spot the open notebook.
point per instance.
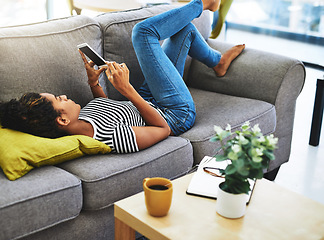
(205, 185)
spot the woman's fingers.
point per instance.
(102, 69)
(83, 57)
(117, 66)
(90, 63)
(123, 66)
(116, 69)
(109, 71)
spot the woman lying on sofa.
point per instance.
(163, 106)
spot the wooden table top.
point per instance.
(273, 213)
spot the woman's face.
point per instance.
(65, 106)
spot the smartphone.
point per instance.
(92, 54)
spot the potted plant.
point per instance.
(248, 153)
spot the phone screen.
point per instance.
(90, 53)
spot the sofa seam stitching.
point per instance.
(47, 226)
(47, 193)
(51, 33)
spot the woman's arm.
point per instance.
(157, 128)
(93, 77)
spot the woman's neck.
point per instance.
(81, 127)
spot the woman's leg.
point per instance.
(187, 41)
(163, 78)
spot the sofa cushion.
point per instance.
(21, 152)
(45, 197)
(109, 178)
(119, 48)
(225, 110)
(43, 57)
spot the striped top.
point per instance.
(112, 122)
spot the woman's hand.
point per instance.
(93, 77)
(156, 128)
(93, 74)
(118, 75)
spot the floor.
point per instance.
(304, 171)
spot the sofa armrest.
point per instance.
(258, 75)
(254, 74)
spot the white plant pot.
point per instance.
(231, 205)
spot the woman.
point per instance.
(163, 106)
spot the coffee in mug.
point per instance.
(158, 195)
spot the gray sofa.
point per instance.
(74, 200)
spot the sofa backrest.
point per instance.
(43, 57)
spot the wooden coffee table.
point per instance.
(273, 213)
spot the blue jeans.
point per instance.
(163, 66)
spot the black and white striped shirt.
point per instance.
(112, 122)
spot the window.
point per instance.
(301, 20)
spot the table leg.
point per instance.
(123, 231)
(317, 114)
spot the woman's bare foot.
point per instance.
(227, 59)
(212, 5)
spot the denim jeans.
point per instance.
(163, 66)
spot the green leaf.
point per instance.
(243, 188)
(239, 163)
(256, 164)
(233, 156)
(236, 185)
(244, 171)
(265, 163)
(220, 158)
(222, 172)
(225, 134)
(245, 126)
(256, 174)
(260, 174)
(230, 169)
(214, 139)
(269, 154)
(257, 159)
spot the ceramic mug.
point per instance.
(158, 195)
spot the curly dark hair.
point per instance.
(31, 114)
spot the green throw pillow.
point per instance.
(21, 152)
